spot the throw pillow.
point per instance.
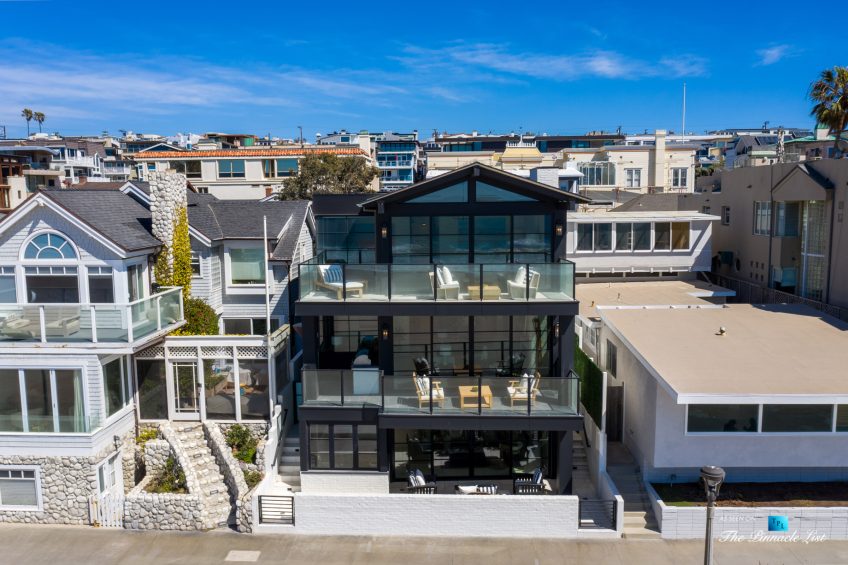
(446, 275)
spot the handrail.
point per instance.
(167, 290)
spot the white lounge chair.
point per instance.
(331, 278)
(518, 286)
(525, 389)
(446, 288)
(422, 387)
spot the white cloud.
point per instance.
(773, 54)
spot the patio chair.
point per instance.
(331, 278)
(518, 285)
(525, 389)
(515, 367)
(418, 484)
(422, 388)
(530, 484)
(444, 285)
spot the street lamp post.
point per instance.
(712, 478)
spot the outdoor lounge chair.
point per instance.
(525, 389)
(443, 284)
(418, 484)
(518, 289)
(530, 484)
(422, 388)
(331, 278)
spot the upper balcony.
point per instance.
(444, 395)
(475, 284)
(133, 323)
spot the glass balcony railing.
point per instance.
(444, 395)
(380, 282)
(91, 323)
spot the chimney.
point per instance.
(545, 175)
(167, 198)
(659, 178)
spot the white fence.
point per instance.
(106, 510)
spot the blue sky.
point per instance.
(267, 67)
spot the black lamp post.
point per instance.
(712, 477)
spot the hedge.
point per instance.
(591, 384)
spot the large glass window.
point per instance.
(70, 401)
(662, 236)
(135, 281)
(531, 238)
(722, 418)
(489, 193)
(412, 340)
(491, 342)
(584, 237)
(286, 167)
(113, 386)
(348, 334)
(11, 415)
(231, 168)
(411, 239)
(680, 235)
(623, 237)
(39, 400)
(797, 417)
(47, 285)
(219, 385)
(319, 446)
(842, 418)
(8, 292)
(642, 236)
(191, 169)
(492, 239)
(597, 173)
(456, 193)
(762, 218)
(787, 219)
(347, 239)
(152, 393)
(450, 239)
(612, 358)
(247, 265)
(342, 446)
(603, 237)
(450, 343)
(253, 381)
(530, 344)
(100, 288)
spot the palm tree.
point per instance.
(39, 117)
(830, 94)
(28, 116)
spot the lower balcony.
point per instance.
(529, 394)
(28, 324)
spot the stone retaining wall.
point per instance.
(150, 511)
(156, 454)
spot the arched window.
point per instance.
(49, 246)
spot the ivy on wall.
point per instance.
(591, 384)
(173, 264)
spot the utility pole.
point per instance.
(301, 135)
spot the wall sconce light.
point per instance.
(384, 231)
(556, 330)
(558, 229)
(384, 332)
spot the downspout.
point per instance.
(830, 243)
(770, 279)
(272, 388)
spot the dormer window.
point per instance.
(50, 246)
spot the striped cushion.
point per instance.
(333, 274)
(537, 476)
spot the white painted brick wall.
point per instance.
(330, 482)
(436, 515)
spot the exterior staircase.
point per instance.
(639, 521)
(581, 482)
(289, 466)
(204, 467)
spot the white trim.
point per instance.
(48, 231)
(38, 497)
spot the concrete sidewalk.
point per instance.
(62, 545)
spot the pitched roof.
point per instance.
(259, 152)
(338, 204)
(112, 213)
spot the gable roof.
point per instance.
(808, 169)
(115, 215)
(483, 172)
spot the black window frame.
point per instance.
(332, 450)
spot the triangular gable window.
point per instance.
(452, 194)
(489, 193)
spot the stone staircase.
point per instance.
(204, 468)
(289, 467)
(639, 521)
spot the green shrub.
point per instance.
(591, 384)
(242, 442)
(252, 478)
(173, 480)
(201, 318)
(146, 435)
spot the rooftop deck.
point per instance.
(382, 282)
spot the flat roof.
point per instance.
(627, 215)
(786, 353)
(594, 295)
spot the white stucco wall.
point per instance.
(329, 482)
(436, 515)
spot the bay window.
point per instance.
(46, 285)
(247, 265)
(231, 169)
(680, 236)
(53, 399)
(116, 385)
(100, 289)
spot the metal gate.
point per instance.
(278, 510)
(597, 514)
(106, 510)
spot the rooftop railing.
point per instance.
(528, 395)
(91, 323)
(378, 282)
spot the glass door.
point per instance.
(186, 391)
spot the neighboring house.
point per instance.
(237, 174)
(781, 226)
(757, 390)
(397, 155)
(84, 336)
(468, 271)
(35, 171)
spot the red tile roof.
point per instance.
(270, 152)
